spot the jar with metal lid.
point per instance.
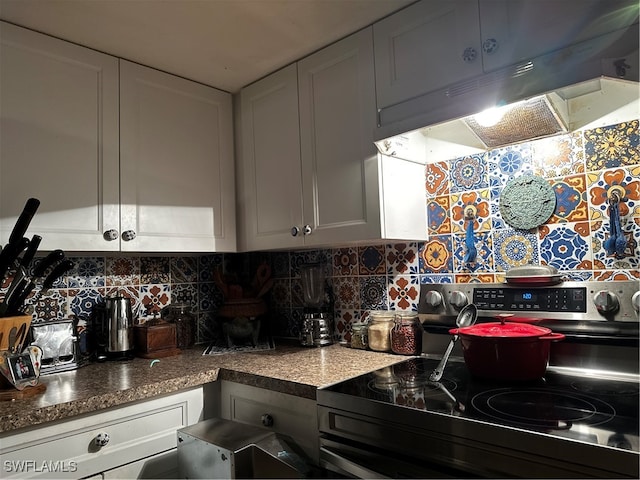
(180, 314)
(359, 336)
(406, 335)
(379, 331)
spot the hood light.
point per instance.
(527, 120)
(491, 116)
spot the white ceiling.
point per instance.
(223, 43)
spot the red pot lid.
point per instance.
(498, 329)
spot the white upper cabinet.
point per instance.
(434, 43)
(426, 46)
(122, 158)
(339, 159)
(308, 169)
(176, 164)
(270, 182)
(58, 139)
(517, 30)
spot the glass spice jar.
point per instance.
(406, 335)
(359, 336)
(379, 331)
(180, 314)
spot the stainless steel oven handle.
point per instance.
(349, 466)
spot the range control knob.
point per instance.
(458, 299)
(433, 298)
(635, 301)
(606, 301)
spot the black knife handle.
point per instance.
(18, 297)
(9, 254)
(27, 258)
(47, 261)
(56, 273)
(20, 228)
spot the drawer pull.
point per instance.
(101, 439)
(267, 420)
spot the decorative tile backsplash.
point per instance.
(583, 168)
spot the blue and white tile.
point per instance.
(484, 256)
(86, 272)
(428, 279)
(507, 163)
(565, 248)
(373, 293)
(83, 302)
(372, 260)
(513, 248)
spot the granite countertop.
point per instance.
(288, 369)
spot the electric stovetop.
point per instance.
(592, 410)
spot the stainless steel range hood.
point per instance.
(587, 85)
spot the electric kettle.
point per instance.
(115, 329)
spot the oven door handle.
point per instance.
(348, 466)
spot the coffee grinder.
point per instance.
(317, 327)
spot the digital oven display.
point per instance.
(527, 296)
(540, 299)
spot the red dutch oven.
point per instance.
(506, 351)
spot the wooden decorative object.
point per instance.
(244, 307)
(156, 339)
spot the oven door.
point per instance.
(364, 461)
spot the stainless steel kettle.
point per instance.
(117, 327)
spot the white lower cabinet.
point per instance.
(137, 440)
(287, 414)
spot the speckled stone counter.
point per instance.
(288, 369)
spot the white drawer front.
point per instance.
(67, 449)
(292, 416)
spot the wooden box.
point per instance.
(156, 339)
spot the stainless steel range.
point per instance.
(580, 420)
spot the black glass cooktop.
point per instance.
(598, 411)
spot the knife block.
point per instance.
(156, 339)
(7, 323)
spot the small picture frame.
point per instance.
(21, 368)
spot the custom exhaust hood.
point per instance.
(588, 85)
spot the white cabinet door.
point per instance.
(58, 139)
(516, 30)
(424, 47)
(308, 162)
(176, 163)
(270, 184)
(339, 159)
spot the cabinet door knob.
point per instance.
(469, 54)
(489, 46)
(101, 439)
(128, 235)
(110, 235)
(306, 230)
(267, 420)
(295, 231)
